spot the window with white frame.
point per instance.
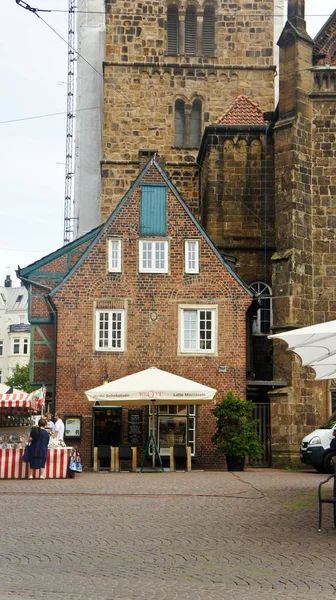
(264, 318)
(191, 256)
(16, 346)
(114, 256)
(198, 329)
(25, 345)
(0, 376)
(110, 330)
(1, 347)
(153, 256)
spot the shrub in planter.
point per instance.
(236, 435)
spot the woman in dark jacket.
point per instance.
(38, 449)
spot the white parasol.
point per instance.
(151, 387)
(316, 346)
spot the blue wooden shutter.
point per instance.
(153, 210)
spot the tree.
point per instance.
(20, 378)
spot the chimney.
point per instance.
(296, 14)
(8, 281)
(144, 157)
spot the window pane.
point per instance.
(114, 255)
(116, 330)
(147, 255)
(1, 347)
(190, 329)
(16, 346)
(25, 346)
(103, 330)
(159, 255)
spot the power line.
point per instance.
(64, 112)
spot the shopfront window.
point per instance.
(175, 424)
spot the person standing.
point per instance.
(38, 449)
(50, 424)
(59, 427)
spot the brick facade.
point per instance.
(79, 366)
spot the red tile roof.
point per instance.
(242, 111)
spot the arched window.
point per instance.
(179, 123)
(263, 322)
(208, 40)
(172, 30)
(195, 123)
(190, 30)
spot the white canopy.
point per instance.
(151, 385)
(316, 346)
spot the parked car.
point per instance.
(315, 447)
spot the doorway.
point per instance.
(106, 426)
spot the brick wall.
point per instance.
(149, 343)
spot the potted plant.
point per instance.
(236, 434)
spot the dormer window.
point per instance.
(19, 298)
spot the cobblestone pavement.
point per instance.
(167, 536)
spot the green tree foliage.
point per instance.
(20, 378)
(236, 434)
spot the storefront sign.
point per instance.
(135, 427)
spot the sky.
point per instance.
(33, 74)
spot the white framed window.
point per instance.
(110, 330)
(0, 375)
(1, 347)
(191, 256)
(153, 256)
(16, 346)
(264, 318)
(25, 345)
(198, 329)
(114, 256)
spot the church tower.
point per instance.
(173, 67)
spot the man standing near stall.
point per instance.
(59, 427)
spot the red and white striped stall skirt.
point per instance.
(12, 467)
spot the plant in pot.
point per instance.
(236, 434)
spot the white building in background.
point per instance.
(14, 329)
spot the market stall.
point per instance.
(18, 414)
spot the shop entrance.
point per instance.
(106, 426)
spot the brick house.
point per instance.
(146, 288)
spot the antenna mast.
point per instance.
(69, 158)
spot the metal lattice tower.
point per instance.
(69, 158)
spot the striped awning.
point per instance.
(22, 400)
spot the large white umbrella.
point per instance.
(316, 346)
(151, 387)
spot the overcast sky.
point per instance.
(33, 72)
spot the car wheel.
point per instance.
(328, 464)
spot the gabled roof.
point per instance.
(103, 228)
(242, 111)
(35, 266)
(325, 40)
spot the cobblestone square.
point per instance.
(167, 536)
